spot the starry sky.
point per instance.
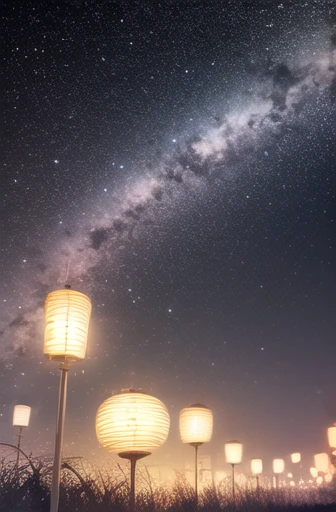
(175, 161)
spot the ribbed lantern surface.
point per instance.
(322, 462)
(256, 466)
(278, 466)
(67, 314)
(132, 422)
(296, 457)
(21, 415)
(196, 424)
(332, 437)
(233, 452)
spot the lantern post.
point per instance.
(67, 314)
(133, 425)
(256, 468)
(196, 424)
(233, 454)
(21, 418)
(278, 468)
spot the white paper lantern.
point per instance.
(256, 466)
(233, 452)
(313, 471)
(278, 466)
(322, 462)
(132, 422)
(296, 457)
(332, 437)
(21, 415)
(196, 424)
(67, 314)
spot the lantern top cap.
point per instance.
(131, 390)
(200, 406)
(67, 286)
(233, 441)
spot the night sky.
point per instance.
(175, 161)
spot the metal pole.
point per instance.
(55, 483)
(132, 500)
(18, 447)
(233, 482)
(276, 481)
(196, 475)
(257, 478)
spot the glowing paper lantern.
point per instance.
(332, 437)
(322, 462)
(67, 314)
(278, 466)
(319, 480)
(21, 415)
(233, 452)
(132, 422)
(313, 472)
(256, 466)
(196, 424)
(296, 457)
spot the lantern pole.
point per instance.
(276, 480)
(55, 484)
(257, 478)
(233, 482)
(18, 447)
(196, 446)
(133, 457)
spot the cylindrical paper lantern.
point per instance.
(332, 437)
(67, 315)
(321, 462)
(296, 457)
(278, 466)
(256, 466)
(132, 422)
(233, 452)
(196, 424)
(21, 415)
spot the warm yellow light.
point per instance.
(289, 475)
(67, 315)
(328, 478)
(256, 466)
(296, 457)
(319, 480)
(321, 462)
(278, 466)
(132, 422)
(313, 472)
(233, 452)
(21, 415)
(332, 437)
(196, 424)
(292, 483)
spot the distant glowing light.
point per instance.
(56, 161)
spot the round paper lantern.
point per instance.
(332, 437)
(256, 466)
(21, 415)
(278, 466)
(321, 462)
(233, 452)
(67, 314)
(296, 457)
(196, 424)
(132, 422)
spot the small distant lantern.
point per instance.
(292, 483)
(256, 469)
(296, 457)
(233, 454)
(196, 424)
(289, 475)
(332, 437)
(133, 425)
(278, 468)
(67, 314)
(313, 471)
(319, 480)
(21, 416)
(321, 462)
